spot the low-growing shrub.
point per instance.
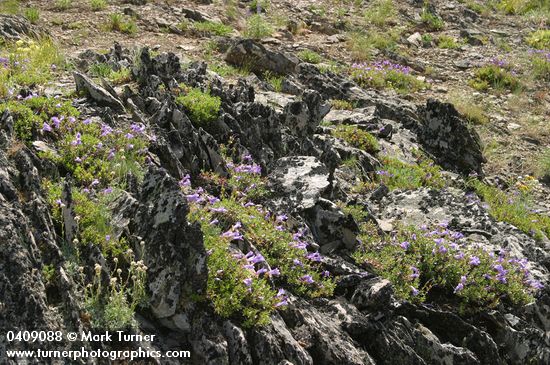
(357, 138)
(396, 174)
(419, 260)
(341, 104)
(120, 23)
(257, 27)
(497, 76)
(212, 28)
(447, 42)
(380, 12)
(431, 20)
(540, 63)
(543, 165)
(310, 56)
(62, 5)
(539, 39)
(28, 63)
(512, 208)
(113, 307)
(244, 286)
(32, 14)
(98, 5)
(473, 112)
(275, 81)
(202, 108)
(30, 113)
(386, 74)
(361, 45)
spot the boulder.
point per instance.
(257, 58)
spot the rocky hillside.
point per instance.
(273, 182)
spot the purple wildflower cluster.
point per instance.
(296, 263)
(448, 245)
(540, 53)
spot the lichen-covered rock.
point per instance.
(298, 182)
(449, 138)
(257, 58)
(174, 251)
(13, 28)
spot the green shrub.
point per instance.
(417, 261)
(495, 77)
(380, 12)
(257, 27)
(512, 208)
(361, 44)
(212, 28)
(447, 42)
(385, 74)
(473, 112)
(357, 138)
(119, 23)
(275, 81)
(540, 63)
(100, 70)
(242, 286)
(310, 56)
(62, 5)
(524, 6)
(98, 5)
(540, 39)
(202, 108)
(30, 114)
(113, 307)
(430, 20)
(32, 14)
(396, 174)
(341, 104)
(28, 63)
(9, 7)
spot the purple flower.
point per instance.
(247, 282)
(458, 288)
(56, 122)
(415, 273)
(219, 210)
(405, 245)
(414, 291)
(474, 261)
(256, 259)
(233, 235)
(283, 302)
(185, 181)
(95, 182)
(282, 218)
(442, 249)
(261, 271)
(194, 198)
(297, 262)
(314, 257)
(274, 272)
(214, 222)
(280, 228)
(325, 274)
(536, 284)
(280, 293)
(213, 200)
(307, 279)
(137, 128)
(108, 238)
(46, 127)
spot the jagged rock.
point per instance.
(374, 294)
(96, 92)
(303, 117)
(449, 138)
(16, 27)
(258, 58)
(298, 182)
(330, 226)
(174, 251)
